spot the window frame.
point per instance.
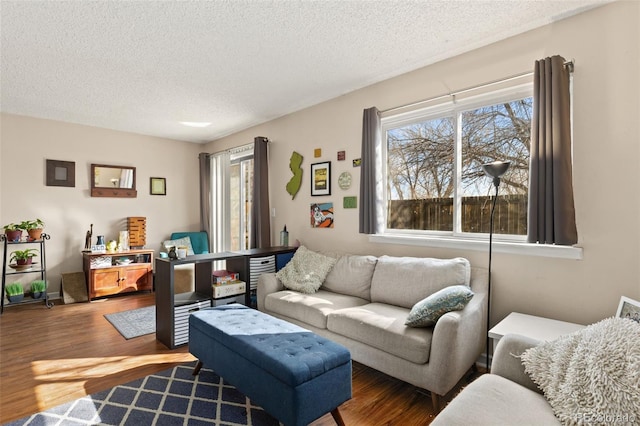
(453, 107)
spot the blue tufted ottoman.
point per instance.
(293, 374)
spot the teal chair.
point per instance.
(199, 240)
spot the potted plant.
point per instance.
(15, 292)
(23, 257)
(13, 232)
(33, 228)
(38, 288)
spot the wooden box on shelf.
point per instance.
(118, 272)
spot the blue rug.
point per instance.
(170, 397)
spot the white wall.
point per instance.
(68, 212)
(604, 44)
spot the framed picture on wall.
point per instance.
(158, 186)
(61, 173)
(629, 308)
(321, 178)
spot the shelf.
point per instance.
(172, 310)
(38, 268)
(189, 298)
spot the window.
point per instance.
(432, 161)
(231, 199)
(241, 179)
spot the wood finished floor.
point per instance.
(52, 356)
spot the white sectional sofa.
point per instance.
(364, 302)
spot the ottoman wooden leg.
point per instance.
(197, 368)
(337, 417)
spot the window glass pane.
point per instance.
(496, 132)
(420, 179)
(240, 199)
(235, 197)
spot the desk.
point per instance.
(539, 328)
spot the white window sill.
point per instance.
(510, 247)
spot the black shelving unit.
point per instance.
(39, 268)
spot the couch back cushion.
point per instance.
(351, 275)
(404, 281)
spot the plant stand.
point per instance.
(36, 268)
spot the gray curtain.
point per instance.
(260, 236)
(205, 193)
(370, 141)
(551, 208)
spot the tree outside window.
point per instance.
(434, 177)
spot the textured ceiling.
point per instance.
(145, 66)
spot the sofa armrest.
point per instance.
(506, 360)
(267, 284)
(457, 342)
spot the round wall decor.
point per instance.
(344, 180)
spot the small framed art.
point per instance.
(629, 308)
(321, 178)
(158, 186)
(61, 173)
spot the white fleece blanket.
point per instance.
(591, 376)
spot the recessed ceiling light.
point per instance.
(195, 123)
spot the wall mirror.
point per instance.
(113, 181)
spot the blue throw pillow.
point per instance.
(426, 312)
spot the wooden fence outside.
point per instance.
(436, 214)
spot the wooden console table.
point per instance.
(118, 272)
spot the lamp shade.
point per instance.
(496, 169)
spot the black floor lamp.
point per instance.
(493, 170)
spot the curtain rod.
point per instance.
(568, 64)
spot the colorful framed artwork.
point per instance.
(61, 173)
(321, 178)
(341, 155)
(357, 162)
(158, 186)
(321, 215)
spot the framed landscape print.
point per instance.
(321, 178)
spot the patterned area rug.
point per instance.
(170, 397)
(134, 323)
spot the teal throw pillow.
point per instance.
(426, 312)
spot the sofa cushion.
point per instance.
(404, 281)
(493, 400)
(311, 309)
(306, 271)
(382, 326)
(351, 275)
(426, 312)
